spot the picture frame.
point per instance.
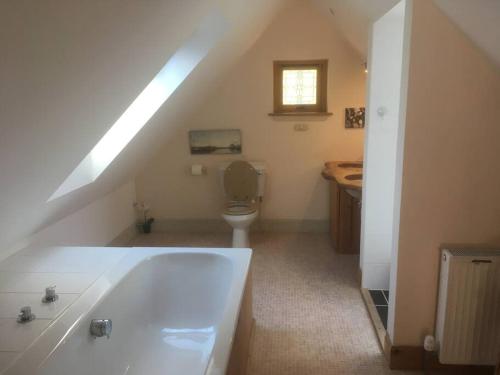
(215, 141)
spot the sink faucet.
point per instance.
(25, 315)
(101, 327)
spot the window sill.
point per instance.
(300, 114)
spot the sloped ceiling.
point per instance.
(478, 19)
(353, 18)
(69, 68)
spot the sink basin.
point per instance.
(351, 165)
(353, 177)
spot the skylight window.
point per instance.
(171, 76)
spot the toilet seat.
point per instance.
(240, 208)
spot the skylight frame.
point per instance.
(180, 65)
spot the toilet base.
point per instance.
(241, 228)
(240, 238)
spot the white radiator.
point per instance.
(468, 316)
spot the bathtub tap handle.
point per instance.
(50, 295)
(25, 315)
(101, 327)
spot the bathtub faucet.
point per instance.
(101, 327)
(25, 315)
(50, 295)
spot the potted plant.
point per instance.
(145, 222)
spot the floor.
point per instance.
(381, 301)
(310, 317)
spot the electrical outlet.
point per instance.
(301, 127)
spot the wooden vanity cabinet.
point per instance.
(334, 213)
(345, 220)
(356, 225)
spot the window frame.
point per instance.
(321, 87)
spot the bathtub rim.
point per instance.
(37, 353)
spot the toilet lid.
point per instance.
(240, 181)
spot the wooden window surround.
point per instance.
(306, 94)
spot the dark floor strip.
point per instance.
(383, 312)
(378, 297)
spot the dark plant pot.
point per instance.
(145, 227)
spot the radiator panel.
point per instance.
(468, 319)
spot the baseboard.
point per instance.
(416, 358)
(292, 225)
(125, 237)
(220, 226)
(191, 226)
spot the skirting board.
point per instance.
(416, 358)
(220, 226)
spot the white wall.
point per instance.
(479, 20)
(97, 224)
(450, 150)
(384, 93)
(70, 68)
(295, 189)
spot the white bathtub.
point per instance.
(174, 311)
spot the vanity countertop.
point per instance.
(340, 172)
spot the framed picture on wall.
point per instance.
(226, 141)
(355, 118)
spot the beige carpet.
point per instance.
(309, 312)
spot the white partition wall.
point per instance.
(384, 123)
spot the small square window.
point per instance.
(300, 87)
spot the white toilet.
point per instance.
(243, 184)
